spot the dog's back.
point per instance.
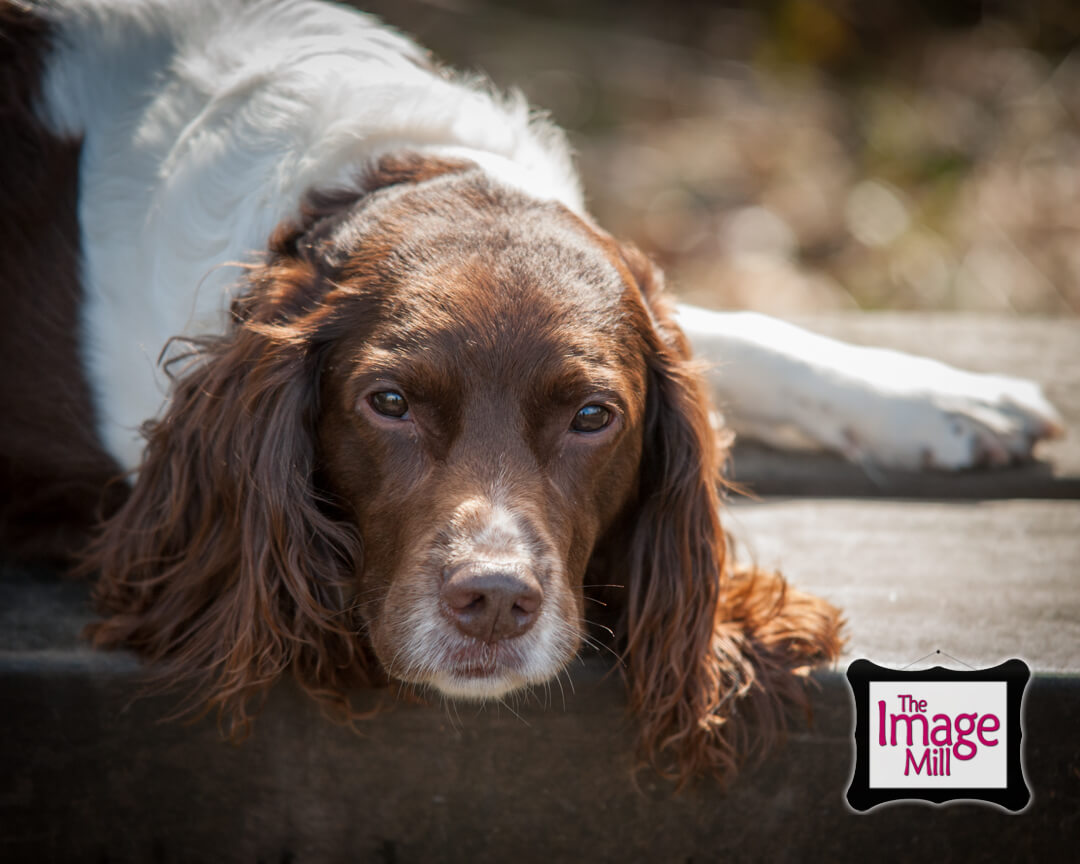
(203, 126)
(52, 467)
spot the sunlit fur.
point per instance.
(252, 543)
(206, 126)
(710, 644)
(229, 566)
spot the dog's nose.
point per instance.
(491, 604)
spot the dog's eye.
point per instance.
(389, 403)
(591, 418)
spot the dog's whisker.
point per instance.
(363, 460)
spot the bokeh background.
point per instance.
(803, 156)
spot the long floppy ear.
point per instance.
(227, 565)
(225, 568)
(707, 644)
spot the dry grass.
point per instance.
(800, 159)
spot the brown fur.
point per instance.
(54, 474)
(271, 530)
(709, 644)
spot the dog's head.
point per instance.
(439, 405)
(481, 423)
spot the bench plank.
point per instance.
(93, 774)
(982, 581)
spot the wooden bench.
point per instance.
(983, 566)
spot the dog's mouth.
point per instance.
(474, 671)
(477, 683)
(483, 660)
(478, 671)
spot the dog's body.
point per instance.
(437, 402)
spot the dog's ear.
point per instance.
(396, 169)
(225, 567)
(705, 641)
(311, 235)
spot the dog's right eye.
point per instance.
(389, 403)
(592, 418)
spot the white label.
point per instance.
(938, 734)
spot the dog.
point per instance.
(438, 411)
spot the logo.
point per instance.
(938, 735)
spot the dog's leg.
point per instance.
(795, 389)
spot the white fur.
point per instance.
(426, 656)
(205, 122)
(798, 390)
(545, 649)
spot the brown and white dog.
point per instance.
(439, 409)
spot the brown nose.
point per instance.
(491, 604)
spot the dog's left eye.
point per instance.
(389, 403)
(591, 418)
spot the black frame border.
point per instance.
(1014, 673)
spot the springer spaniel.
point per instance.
(438, 412)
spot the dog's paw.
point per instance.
(798, 390)
(905, 412)
(997, 422)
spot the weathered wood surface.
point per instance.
(549, 777)
(92, 774)
(89, 779)
(980, 580)
(1043, 350)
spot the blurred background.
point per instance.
(803, 156)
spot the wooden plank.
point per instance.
(1047, 351)
(89, 777)
(93, 775)
(983, 581)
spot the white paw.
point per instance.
(796, 390)
(898, 411)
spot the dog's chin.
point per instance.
(470, 671)
(477, 685)
(480, 676)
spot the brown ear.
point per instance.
(322, 210)
(398, 168)
(224, 567)
(705, 642)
